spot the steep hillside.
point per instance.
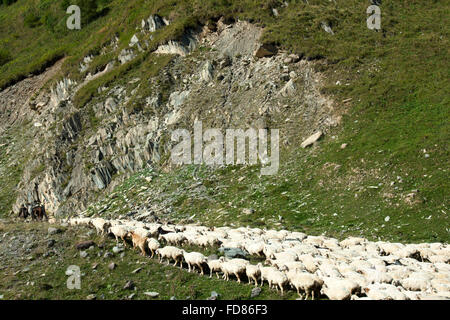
(87, 115)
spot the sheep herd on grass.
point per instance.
(313, 266)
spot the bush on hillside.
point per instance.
(7, 2)
(5, 57)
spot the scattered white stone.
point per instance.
(151, 294)
(315, 137)
(133, 40)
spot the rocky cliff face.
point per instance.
(220, 75)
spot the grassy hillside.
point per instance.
(395, 120)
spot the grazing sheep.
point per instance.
(316, 241)
(277, 279)
(255, 248)
(352, 241)
(80, 221)
(384, 270)
(101, 225)
(384, 292)
(287, 265)
(234, 267)
(270, 249)
(415, 282)
(119, 231)
(194, 259)
(409, 251)
(285, 256)
(170, 253)
(153, 245)
(173, 238)
(154, 229)
(215, 266)
(297, 235)
(439, 258)
(390, 248)
(339, 289)
(398, 272)
(441, 285)
(143, 232)
(253, 272)
(356, 277)
(265, 273)
(374, 276)
(306, 283)
(232, 244)
(308, 262)
(206, 240)
(331, 244)
(138, 241)
(360, 265)
(327, 269)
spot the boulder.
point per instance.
(151, 294)
(52, 231)
(266, 50)
(85, 245)
(112, 266)
(315, 137)
(129, 285)
(232, 253)
(255, 292)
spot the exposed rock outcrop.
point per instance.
(93, 148)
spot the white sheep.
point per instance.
(384, 292)
(374, 276)
(339, 289)
(153, 245)
(215, 266)
(153, 229)
(170, 253)
(194, 259)
(308, 262)
(119, 231)
(287, 265)
(142, 232)
(305, 283)
(277, 279)
(206, 241)
(316, 241)
(387, 248)
(253, 272)
(101, 225)
(352, 241)
(235, 267)
(255, 248)
(415, 282)
(285, 256)
(173, 238)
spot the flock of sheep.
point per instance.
(314, 266)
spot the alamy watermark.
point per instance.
(74, 280)
(220, 149)
(74, 21)
(374, 20)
